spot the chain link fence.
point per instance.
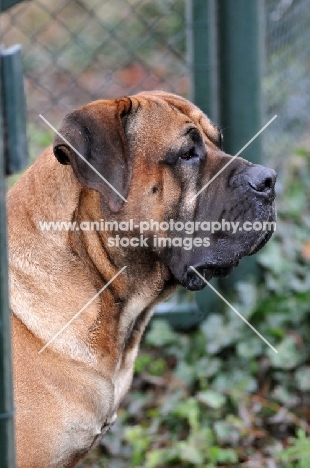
(286, 83)
(75, 51)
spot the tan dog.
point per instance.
(157, 150)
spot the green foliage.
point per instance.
(39, 140)
(145, 363)
(298, 455)
(197, 448)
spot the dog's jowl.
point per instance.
(107, 223)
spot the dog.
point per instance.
(145, 159)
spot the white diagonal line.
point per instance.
(232, 159)
(234, 309)
(82, 157)
(80, 311)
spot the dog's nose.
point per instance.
(262, 179)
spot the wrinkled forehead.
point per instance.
(162, 110)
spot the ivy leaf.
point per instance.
(302, 376)
(161, 334)
(288, 355)
(190, 453)
(213, 399)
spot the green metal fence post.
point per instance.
(202, 50)
(14, 109)
(240, 62)
(225, 55)
(7, 454)
(240, 51)
(7, 457)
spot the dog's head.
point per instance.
(164, 156)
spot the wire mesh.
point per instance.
(76, 51)
(286, 83)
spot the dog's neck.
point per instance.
(123, 311)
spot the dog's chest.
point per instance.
(99, 425)
(89, 427)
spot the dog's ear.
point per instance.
(94, 144)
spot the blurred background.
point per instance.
(78, 51)
(212, 394)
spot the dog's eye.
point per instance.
(189, 155)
